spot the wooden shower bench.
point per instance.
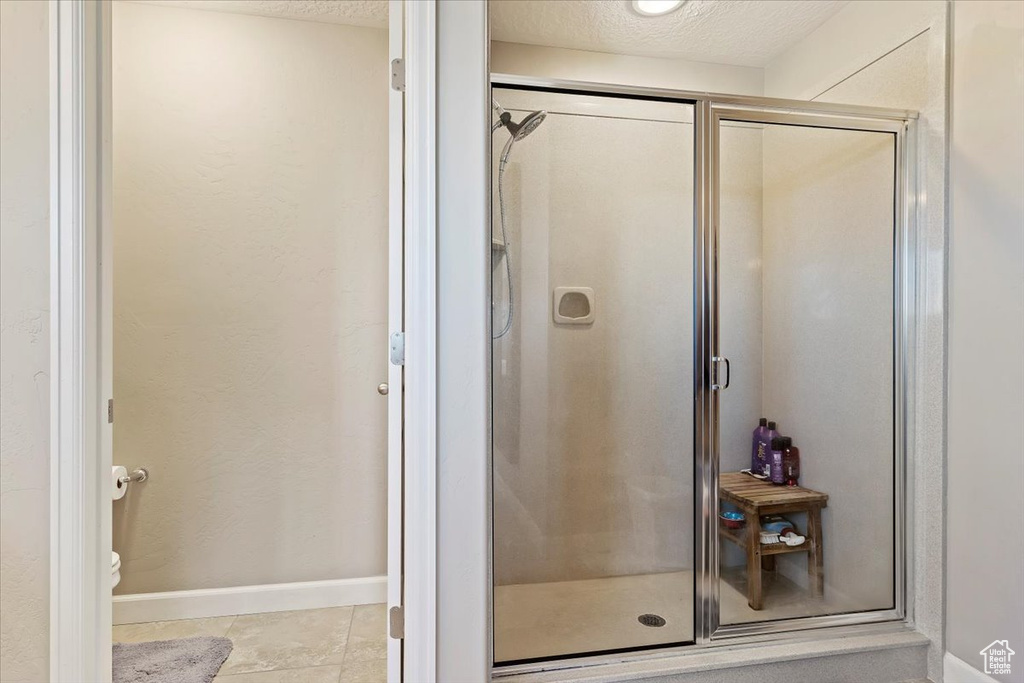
(756, 498)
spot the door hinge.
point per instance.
(397, 622)
(398, 348)
(110, 411)
(398, 74)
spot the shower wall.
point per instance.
(593, 433)
(250, 195)
(740, 296)
(592, 462)
(828, 341)
(845, 453)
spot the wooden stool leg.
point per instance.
(754, 596)
(815, 558)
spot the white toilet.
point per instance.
(115, 569)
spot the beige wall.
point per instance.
(986, 321)
(250, 298)
(604, 67)
(24, 342)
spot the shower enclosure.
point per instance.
(667, 268)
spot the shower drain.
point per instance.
(651, 620)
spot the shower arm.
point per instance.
(503, 116)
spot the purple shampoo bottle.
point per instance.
(758, 446)
(765, 461)
(779, 445)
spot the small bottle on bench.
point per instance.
(791, 464)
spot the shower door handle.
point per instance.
(715, 360)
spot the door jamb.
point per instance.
(396, 298)
(80, 272)
(420, 391)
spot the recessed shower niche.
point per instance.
(573, 305)
(748, 264)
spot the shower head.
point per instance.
(520, 130)
(529, 124)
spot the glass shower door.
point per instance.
(807, 301)
(592, 379)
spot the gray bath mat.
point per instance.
(184, 660)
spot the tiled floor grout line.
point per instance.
(234, 618)
(348, 637)
(270, 671)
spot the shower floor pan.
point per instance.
(556, 619)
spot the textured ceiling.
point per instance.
(738, 32)
(352, 12)
(744, 32)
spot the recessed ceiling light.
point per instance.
(653, 8)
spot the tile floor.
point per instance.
(332, 645)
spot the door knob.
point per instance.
(382, 389)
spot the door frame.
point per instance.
(80, 359)
(419, 417)
(80, 263)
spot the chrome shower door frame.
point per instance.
(710, 109)
(901, 126)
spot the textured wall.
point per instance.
(250, 298)
(24, 342)
(852, 40)
(986, 575)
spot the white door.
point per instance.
(396, 221)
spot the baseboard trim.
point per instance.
(956, 670)
(221, 602)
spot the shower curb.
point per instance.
(893, 655)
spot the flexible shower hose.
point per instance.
(504, 238)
